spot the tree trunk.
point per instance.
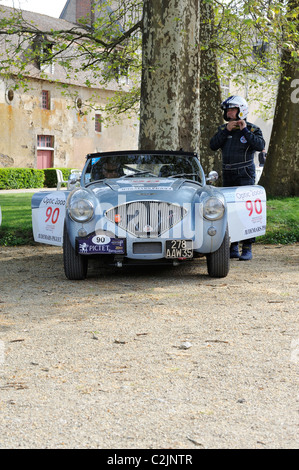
(211, 115)
(281, 173)
(169, 107)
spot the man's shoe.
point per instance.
(234, 250)
(246, 253)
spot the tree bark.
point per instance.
(169, 107)
(281, 172)
(211, 115)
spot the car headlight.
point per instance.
(213, 208)
(81, 205)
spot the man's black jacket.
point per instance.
(238, 147)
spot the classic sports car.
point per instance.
(140, 207)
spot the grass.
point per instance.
(16, 228)
(282, 221)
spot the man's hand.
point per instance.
(231, 125)
(241, 124)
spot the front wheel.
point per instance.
(218, 262)
(75, 265)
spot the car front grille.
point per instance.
(146, 219)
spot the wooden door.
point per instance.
(44, 159)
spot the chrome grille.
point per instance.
(146, 219)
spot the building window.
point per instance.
(78, 103)
(98, 123)
(9, 95)
(42, 53)
(45, 99)
(45, 141)
(47, 68)
(123, 74)
(261, 52)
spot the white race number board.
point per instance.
(48, 219)
(247, 215)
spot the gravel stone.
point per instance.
(97, 363)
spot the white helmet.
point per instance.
(235, 102)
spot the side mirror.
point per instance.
(73, 179)
(212, 176)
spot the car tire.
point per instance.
(218, 262)
(75, 265)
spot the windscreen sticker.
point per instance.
(146, 188)
(95, 160)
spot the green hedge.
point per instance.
(21, 178)
(51, 178)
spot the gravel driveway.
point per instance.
(152, 359)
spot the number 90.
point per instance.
(52, 214)
(256, 206)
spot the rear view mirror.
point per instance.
(212, 176)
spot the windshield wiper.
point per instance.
(183, 174)
(137, 173)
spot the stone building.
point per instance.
(41, 127)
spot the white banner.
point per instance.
(247, 214)
(48, 219)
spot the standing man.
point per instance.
(238, 140)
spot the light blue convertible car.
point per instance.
(152, 207)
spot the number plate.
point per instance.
(101, 244)
(179, 249)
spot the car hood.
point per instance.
(132, 189)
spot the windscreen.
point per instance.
(142, 165)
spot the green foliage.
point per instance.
(248, 36)
(107, 51)
(20, 178)
(282, 221)
(51, 178)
